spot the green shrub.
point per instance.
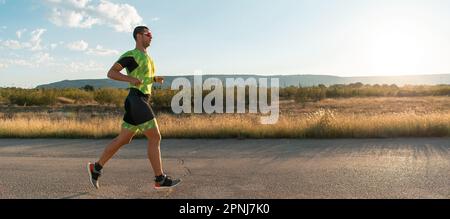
(30, 97)
(110, 96)
(78, 95)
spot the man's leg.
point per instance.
(124, 138)
(154, 155)
(95, 169)
(153, 151)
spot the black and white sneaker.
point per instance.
(93, 174)
(165, 182)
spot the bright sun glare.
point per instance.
(400, 45)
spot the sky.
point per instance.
(53, 40)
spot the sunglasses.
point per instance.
(147, 34)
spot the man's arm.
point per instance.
(114, 73)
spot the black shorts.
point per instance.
(137, 108)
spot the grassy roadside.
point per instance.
(319, 124)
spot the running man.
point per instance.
(138, 113)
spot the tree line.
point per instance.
(161, 98)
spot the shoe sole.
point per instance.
(90, 175)
(166, 187)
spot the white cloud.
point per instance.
(63, 17)
(122, 17)
(81, 14)
(18, 62)
(79, 3)
(35, 41)
(54, 45)
(78, 45)
(84, 46)
(20, 32)
(42, 58)
(33, 44)
(99, 50)
(77, 67)
(22, 62)
(71, 3)
(12, 44)
(156, 19)
(34, 60)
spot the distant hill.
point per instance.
(285, 80)
(97, 83)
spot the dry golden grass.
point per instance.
(40, 127)
(319, 124)
(372, 105)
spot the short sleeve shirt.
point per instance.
(139, 65)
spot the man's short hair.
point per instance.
(139, 29)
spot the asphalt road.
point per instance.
(264, 168)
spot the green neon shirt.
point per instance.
(139, 65)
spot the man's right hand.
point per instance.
(136, 82)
